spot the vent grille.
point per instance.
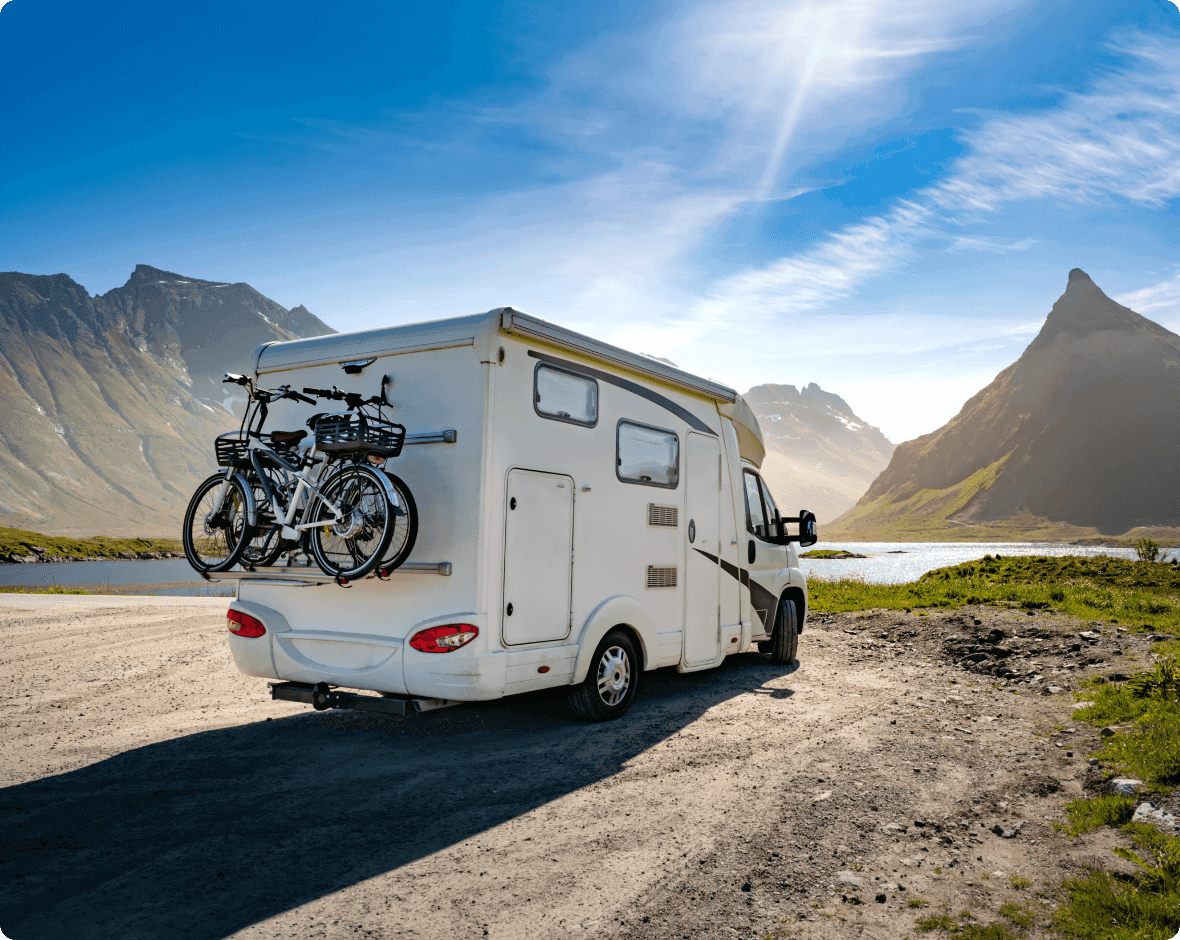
(661, 576)
(665, 516)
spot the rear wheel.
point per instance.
(215, 524)
(266, 541)
(610, 686)
(405, 524)
(783, 645)
(350, 545)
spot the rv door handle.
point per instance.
(509, 610)
(751, 553)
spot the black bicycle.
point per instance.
(278, 494)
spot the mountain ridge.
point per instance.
(113, 400)
(1072, 435)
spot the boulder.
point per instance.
(1125, 786)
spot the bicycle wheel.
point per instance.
(266, 542)
(405, 524)
(214, 525)
(350, 545)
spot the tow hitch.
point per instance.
(321, 697)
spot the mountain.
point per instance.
(1077, 436)
(819, 454)
(112, 402)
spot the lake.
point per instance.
(898, 562)
(889, 563)
(166, 576)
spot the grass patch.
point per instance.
(1108, 810)
(53, 589)
(1136, 593)
(986, 932)
(917, 902)
(1101, 907)
(23, 541)
(830, 553)
(1017, 914)
(1019, 882)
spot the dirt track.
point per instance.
(147, 792)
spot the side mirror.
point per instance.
(808, 531)
(235, 378)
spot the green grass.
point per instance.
(829, 553)
(22, 541)
(53, 589)
(1136, 593)
(1108, 810)
(1017, 914)
(917, 902)
(1019, 882)
(1101, 907)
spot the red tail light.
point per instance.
(243, 624)
(444, 639)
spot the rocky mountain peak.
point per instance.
(1085, 309)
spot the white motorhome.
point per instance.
(585, 514)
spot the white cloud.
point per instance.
(1119, 140)
(1162, 296)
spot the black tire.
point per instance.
(214, 533)
(405, 525)
(265, 544)
(783, 645)
(352, 547)
(610, 686)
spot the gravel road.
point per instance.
(151, 791)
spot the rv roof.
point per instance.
(466, 331)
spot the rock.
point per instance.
(1107, 732)
(848, 879)
(747, 886)
(1149, 813)
(893, 827)
(1054, 689)
(1125, 786)
(130, 555)
(1090, 636)
(1093, 762)
(880, 898)
(1005, 833)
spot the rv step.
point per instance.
(322, 697)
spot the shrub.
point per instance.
(1147, 549)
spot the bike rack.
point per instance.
(432, 437)
(309, 577)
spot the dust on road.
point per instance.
(151, 791)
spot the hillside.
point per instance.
(1075, 438)
(819, 454)
(112, 402)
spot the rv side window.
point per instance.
(755, 516)
(564, 396)
(771, 509)
(648, 456)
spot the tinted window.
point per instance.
(564, 396)
(648, 455)
(771, 509)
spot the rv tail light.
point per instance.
(444, 639)
(243, 624)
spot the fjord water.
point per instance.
(173, 577)
(888, 563)
(898, 562)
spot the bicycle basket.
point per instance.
(231, 449)
(352, 433)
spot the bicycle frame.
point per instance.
(290, 531)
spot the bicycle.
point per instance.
(259, 506)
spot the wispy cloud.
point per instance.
(1120, 140)
(1162, 296)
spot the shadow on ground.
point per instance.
(203, 835)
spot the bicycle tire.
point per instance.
(213, 543)
(405, 525)
(353, 546)
(264, 545)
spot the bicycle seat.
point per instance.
(286, 438)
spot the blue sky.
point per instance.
(882, 197)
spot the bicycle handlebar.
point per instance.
(353, 399)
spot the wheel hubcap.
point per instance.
(614, 675)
